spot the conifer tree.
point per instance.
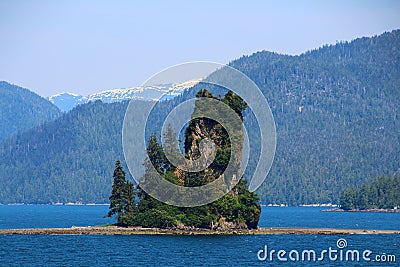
(348, 198)
(122, 199)
(170, 146)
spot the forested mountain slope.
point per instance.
(337, 116)
(336, 110)
(65, 160)
(21, 109)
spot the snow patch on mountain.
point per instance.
(67, 101)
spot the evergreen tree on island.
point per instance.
(122, 199)
(238, 209)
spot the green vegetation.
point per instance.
(21, 109)
(64, 160)
(122, 199)
(237, 209)
(382, 193)
(336, 110)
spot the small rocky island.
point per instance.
(238, 209)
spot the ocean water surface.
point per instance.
(145, 250)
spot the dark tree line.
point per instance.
(382, 193)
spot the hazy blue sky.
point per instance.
(89, 46)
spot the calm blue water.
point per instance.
(42, 216)
(313, 217)
(142, 250)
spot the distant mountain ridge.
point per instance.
(21, 109)
(67, 101)
(336, 111)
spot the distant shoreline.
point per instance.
(366, 210)
(114, 230)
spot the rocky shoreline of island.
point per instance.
(115, 230)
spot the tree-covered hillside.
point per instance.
(337, 116)
(64, 160)
(382, 193)
(336, 110)
(69, 159)
(21, 109)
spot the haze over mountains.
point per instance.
(336, 110)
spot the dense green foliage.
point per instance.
(21, 109)
(382, 193)
(122, 199)
(239, 208)
(66, 160)
(337, 115)
(336, 110)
